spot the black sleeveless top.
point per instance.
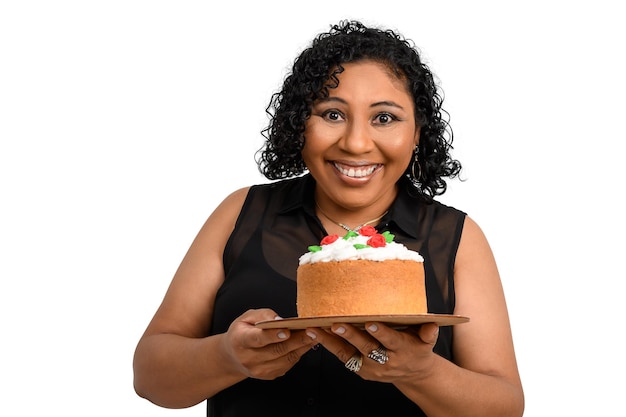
(276, 225)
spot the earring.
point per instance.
(417, 177)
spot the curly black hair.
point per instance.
(315, 71)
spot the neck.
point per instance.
(345, 226)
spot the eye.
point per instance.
(384, 118)
(332, 115)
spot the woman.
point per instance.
(361, 113)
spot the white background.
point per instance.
(124, 123)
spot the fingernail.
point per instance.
(311, 335)
(282, 335)
(372, 328)
(278, 318)
(340, 330)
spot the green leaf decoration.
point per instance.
(315, 248)
(350, 234)
(361, 246)
(388, 236)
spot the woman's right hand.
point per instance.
(263, 354)
(176, 363)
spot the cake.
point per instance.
(364, 273)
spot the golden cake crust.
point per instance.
(361, 287)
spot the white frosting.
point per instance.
(343, 250)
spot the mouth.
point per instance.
(356, 172)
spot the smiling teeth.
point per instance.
(356, 173)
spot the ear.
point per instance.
(416, 138)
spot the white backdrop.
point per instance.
(124, 123)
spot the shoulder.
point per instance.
(474, 253)
(239, 197)
(439, 207)
(278, 195)
(232, 204)
(441, 218)
(472, 235)
(409, 200)
(256, 197)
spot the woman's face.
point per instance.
(360, 139)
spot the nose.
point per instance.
(357, 138)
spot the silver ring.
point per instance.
(355, 362)
(379, 355)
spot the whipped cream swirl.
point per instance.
(344, 249)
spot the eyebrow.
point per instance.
(387, 103)
(378, 103)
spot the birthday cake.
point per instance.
(364, 273)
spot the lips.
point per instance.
(356, 172)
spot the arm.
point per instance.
(483, 380)
(175, 364)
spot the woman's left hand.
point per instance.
(404, 354)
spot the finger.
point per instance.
(266, 366)
(276, 359)
(356, 337)
(393, 340)
(333, 343)
(253, 316)
(429, 332)
(384, 335)
(253, 337)
(298, 341)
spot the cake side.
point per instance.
(361, 287)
